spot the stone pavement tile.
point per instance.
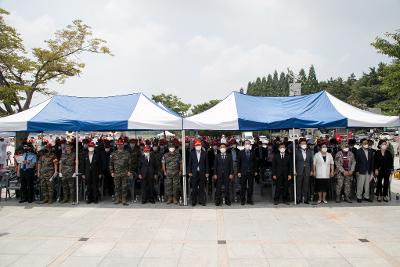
(205, 253)
(52, 247)
(171, 232)
(356, 250)
(109, 233)
(93, 248)
(337, 262)
(288, 262)
(34, 260)
(242, 250)
(153, 262)
(367, 262)
(321, 250)
(164, 250)
(244, 230)
(204, 214)
(391, 248)
(140, 233)
(284, 250)
(113, 262)
(7, 259)
(198, 262)
(201, 230)
(73, 261)
(129, 249)
(273, 235)
(248, 262)
(20, 246)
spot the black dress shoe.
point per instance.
(152, 201)
(368, 199)
(228, 203)
(22, 201)
(359, 200)
(297, 202)
(88, 201)
(306, 202)
(217, 204)
(193, 204)
(275, 202)
(203, 204)
(144, 202)
(242, 203)
(250, 202)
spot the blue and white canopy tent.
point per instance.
(71, 113)
(319, 110)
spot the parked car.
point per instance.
(386, 136)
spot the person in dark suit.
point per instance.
(383, 166)
(198, 171)
(364, 170)
(247, 169)
(281, 174)
(148, 171)
(261, 156)
(93, 165)
(223, 174)
(304, 169)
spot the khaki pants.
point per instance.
(363, 185)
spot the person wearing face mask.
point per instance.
(324, 170)
(198, 170)
(281, 174)
(134, 152)
(364, 170)
(67, 170)
(26, 171)
(108, 180)
(212, 153)
(223, 175)
(261, 157)
(120, 168)
(247, 170)
(234, 152)
(172, 168)
(383, 166)
(304, 169)
(47, 170)
(92, 166)
(158, 194)
(148, 168)
(345, 163)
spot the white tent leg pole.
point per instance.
(294, 170)
(184, 169)
(77, 165)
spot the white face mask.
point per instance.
(264, 146)
(91, 149)
(107, 150)
(247, 147)
(365, 146)
(171, 149)
(223, 150)
(303, 146)
(234, 145)
(346, 149)
(383, 147)
(132, 145)
(282, 150)
(198, 148)
(147, 154)
(324, 149)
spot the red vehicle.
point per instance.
(343, 135)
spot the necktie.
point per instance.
(247, 154)
(223, 156)
(281, 156)
(26, 157)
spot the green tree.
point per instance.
(22, 74)
(311, 85)
(173, 102)
(204, 106)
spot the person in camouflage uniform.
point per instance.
(120, 167)
(47, 170)
(67, 170)
(172, 166)
(345, 164)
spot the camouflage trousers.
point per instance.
(343, 181)
(172, 184)
(121, 186)
(47, 188)
(68, 184)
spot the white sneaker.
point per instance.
(325, 202)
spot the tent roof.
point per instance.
(122, 112)
(319, 110)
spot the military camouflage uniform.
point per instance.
(341, 179)
(46, 172)
(68, 169)
(172, 161)
(120, 165)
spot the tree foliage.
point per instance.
(204, 106)
(173, 102)
(23, 74)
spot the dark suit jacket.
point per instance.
(383, 163)
(96, 167)
(211, 158)
(282, 167)
(247, 165)
(223, 167)
(302, 164)
(148, 168)
(229, 151)
(194, 163)
(364, 166)
(261, 157)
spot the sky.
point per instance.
(203, 50)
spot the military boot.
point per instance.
(169, 200)
(174, 200)
(124, 202)
(117, 200)
(65, 199)
(45, 200)
(50, 200)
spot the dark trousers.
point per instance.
(302, 186)
(385, 178)
(246, 185)
(281, 188)
(147, 189)
(27, 190)
(198, 188)
(92, 187)
(225, 181)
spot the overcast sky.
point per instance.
(202, 50)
